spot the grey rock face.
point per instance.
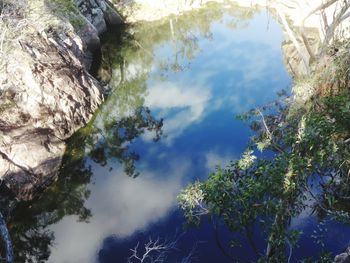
(99, 13)
(98, 20)
(51, 96)
(89, 35)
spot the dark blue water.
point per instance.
(195, 73)
(230, 72)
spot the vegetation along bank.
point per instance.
(47, 48)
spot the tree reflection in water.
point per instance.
(28, 222)
(99, 142)
(125, 67)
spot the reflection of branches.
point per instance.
(30, 221)
(221, 247)
(33, 245)
(117, 135)
(308, 51)
(249, 234)
(316, 199)
(190, 255)
(269, 134)
(156, 251)
(140, 46)
(293, 39)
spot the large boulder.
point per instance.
(49, 95)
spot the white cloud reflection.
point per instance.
(241, 69)
(120, 206)
(181, 105)
(214, 159)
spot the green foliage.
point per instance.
(271, 191)
(190, 200)
(341, 60)
(247, 160)
(117, 134)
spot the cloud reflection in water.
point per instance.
(120, 205)
(229, 78)
(180, 105)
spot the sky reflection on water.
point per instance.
(232, 71)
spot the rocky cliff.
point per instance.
(46, 91)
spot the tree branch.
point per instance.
(5, 236)
(335, 23)
(294, 40)
(319, 8)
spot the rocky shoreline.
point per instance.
(47, 95)
(47, 92)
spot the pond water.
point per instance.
(176, 86)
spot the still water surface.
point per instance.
(195, 73)
(176, 86)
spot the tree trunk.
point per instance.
(5, 236)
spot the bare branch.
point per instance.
(336, 21)
(294, 40)
(269, 134)
(154, 251)
(319, 8)
(264, 122)
(157, 250)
